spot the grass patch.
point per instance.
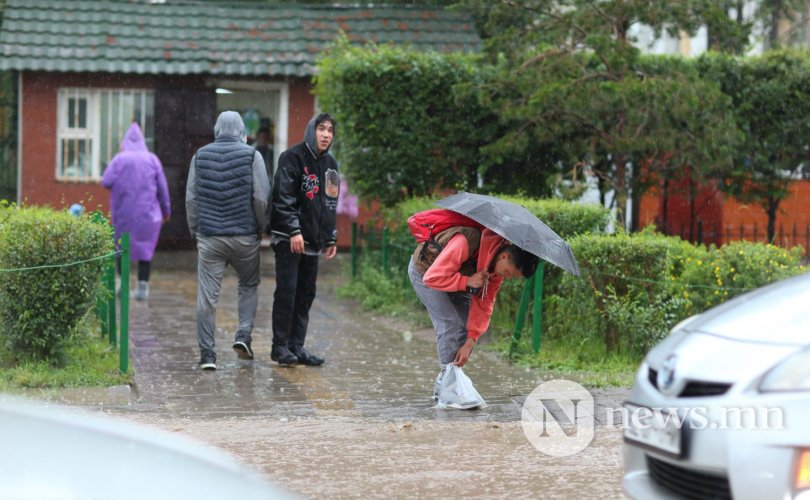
(585, 363)
(583, 360)
(90, 361)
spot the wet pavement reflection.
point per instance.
(363, 424)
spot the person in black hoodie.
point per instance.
(303, 226)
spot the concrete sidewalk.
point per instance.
(363, 424)
(374, 368)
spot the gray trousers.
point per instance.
(448, 312)
(214, 253)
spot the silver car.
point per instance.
(721, 407)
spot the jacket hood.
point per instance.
(491, 242)
(230, 124)
(133, 139)
(309, 134)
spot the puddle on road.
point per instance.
(346, 457)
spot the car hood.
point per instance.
(775, 314)
(697, 357)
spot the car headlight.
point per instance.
(792, 374)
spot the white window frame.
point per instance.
(92, 132)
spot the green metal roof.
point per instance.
(183, 37)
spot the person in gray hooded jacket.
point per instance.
(226, 206)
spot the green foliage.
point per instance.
(404, 129)
(90, 361)
(564, 217)
(635, 288)
(733, 269)
(770, 96)
(40, 308)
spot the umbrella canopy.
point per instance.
(517, 225)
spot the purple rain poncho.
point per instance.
(139, 196)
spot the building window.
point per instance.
(92, 123)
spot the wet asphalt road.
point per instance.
(361, 425)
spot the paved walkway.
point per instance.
(345, 419)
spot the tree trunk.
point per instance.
(773, 206)
(620, 188)
(665, 203)
(777, 7)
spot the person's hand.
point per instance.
(297, 244)
(330, 251)
(463, 353)
(478, 279)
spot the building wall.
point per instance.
(39, 134)
(747, 220)
(185, 113)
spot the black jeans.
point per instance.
(296, 275)
(144, 266)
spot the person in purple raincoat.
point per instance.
(139, 200)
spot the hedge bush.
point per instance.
(634, 288)
(40, 308)
(564, 217)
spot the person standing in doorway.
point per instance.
(226, 206)
(139, 201)
(303, 226)
(265, 148)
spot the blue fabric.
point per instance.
(224, 177)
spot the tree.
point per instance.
(771, 100)
(404, 129)
(569, 70)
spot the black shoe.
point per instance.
(305, 357)
(282, 355)
(208, 360)
(242, 349)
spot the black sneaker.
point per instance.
(305, 357)
(208, 361)
(242, 349)
(283, 356)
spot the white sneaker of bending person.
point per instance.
(142, 293)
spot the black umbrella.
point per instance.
(517, 225)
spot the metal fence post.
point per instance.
(521, 315)
(537, 320)
(124, 344)
(354, 249)
(111, 302)
(384, 249)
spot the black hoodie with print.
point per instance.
(305, 192)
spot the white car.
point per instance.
(721, 407)
(51, 451)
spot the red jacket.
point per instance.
(443, 275)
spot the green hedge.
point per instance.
(564, 217)
(40, 308)
(634, 288)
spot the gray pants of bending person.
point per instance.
(214, 254)
(448, 312)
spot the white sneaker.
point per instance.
(142, 293)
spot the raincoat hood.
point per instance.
(491, 242)
(133, 139)
(309, 135)
(230, 124)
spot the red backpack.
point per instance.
(425, 225)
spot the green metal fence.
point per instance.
(107, 306)
(395, 249)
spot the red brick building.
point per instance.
(86, 69)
